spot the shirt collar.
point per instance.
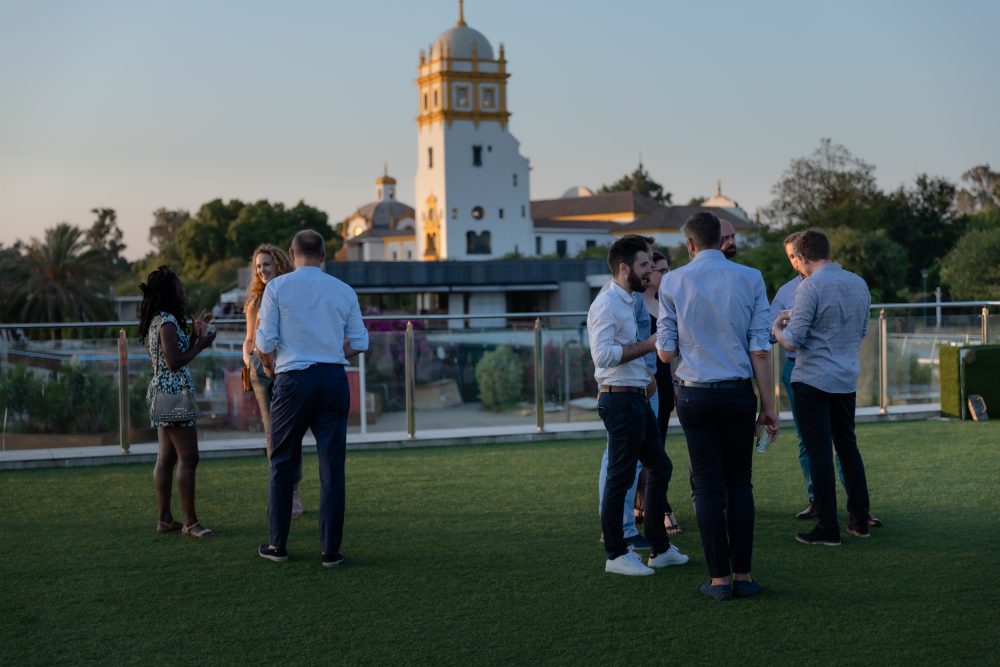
(625, 296)
(705, 255)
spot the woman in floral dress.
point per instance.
(163, 327)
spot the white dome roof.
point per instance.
(577, 191)
(458, 42)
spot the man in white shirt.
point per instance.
(309, 325)
(633, 434)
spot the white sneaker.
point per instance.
(671, 556)
(628, 563)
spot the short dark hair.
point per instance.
(813, 245)
(704, 229)
(310, 243)
(624, 250)
(792, 238)
(659, 257)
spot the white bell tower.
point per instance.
(472, 191)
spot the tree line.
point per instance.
(903, 242)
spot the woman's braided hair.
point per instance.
(159, 294)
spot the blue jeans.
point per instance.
(628, 516)
(316, 398)
(828, 419)
(786, 380)
(719, 428)
(632, 436)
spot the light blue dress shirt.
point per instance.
(784, 299)
(714, 312)
(306, 316)
(830, 320)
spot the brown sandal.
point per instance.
(168, 526)
(670, 523)
(197, 530)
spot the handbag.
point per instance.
(245, 375)
(180, 407)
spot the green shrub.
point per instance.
(498, 375)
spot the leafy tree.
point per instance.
(639, 181)
(697, 201)
(65, 279)
(983, 193)
(166, 224)
(829, 188)
(594, 252)
(106, 236)
(13, 273)
(873, 256)
(767, 255)
(498, 375)
(971, 270)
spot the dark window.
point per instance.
(454, 214)
(477, 156)
(477, 244)
(395, 255)
(591, 243)
(489, 149)
(477, 213)
(430, 158)
(522, 210)
(538, 245)
(435, 99)
(561, 247)
(425, 101)
(515, 180)
(500, 214)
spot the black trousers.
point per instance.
(827, 419)
(719, 428)
(632, 435)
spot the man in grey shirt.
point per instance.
(825, 331)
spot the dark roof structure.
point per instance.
(385, 214)
(610, 203)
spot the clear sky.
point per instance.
(136, 105)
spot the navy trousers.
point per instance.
(316, 398)
(827, 419)
(719, 429)
(633, 435)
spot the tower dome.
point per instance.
(461, 41)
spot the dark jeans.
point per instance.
(316, 398)
(826, 418)
(632, 435)
(719, 427)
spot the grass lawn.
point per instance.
(490, 555)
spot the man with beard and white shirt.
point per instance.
(633, 434)
(728, 245)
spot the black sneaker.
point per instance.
(638, 542)
(817, 536)
(332, 560)
(276, 554)
(719, 592)
(746, 589)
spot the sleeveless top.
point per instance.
(164, 379)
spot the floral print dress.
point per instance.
(164, 379)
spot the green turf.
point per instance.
(490, 555)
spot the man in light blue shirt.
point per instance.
(309, 325)
(714, 319)
(827, 325)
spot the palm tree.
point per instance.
(65, 279)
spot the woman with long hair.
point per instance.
(163, 327)
(266, 263)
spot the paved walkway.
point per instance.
(69, 457)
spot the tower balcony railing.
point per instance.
(84, 383)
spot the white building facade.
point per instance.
(472, 183)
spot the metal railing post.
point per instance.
(776, 375)
(539, 379)
(363, 390)
(409, 381)
(124, 423)
(883, 362)
(986, 325)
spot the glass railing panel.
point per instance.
(570, 388)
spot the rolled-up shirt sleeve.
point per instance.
(666, 323)
(268, 319)
(354, 329)
(802, 316)
(759, 334)
(601, 327)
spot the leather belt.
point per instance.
(631, 390)
(725, 384)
